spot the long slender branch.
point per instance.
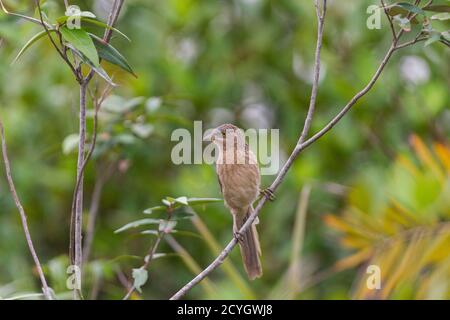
(281, 175)
(112, 17)
(23, 217)
(77, 250)
(97, 105)
(312, 102)
(75, 247)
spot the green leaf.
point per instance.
(61, 20)
(410, 7)
(182, 200)
(30, 42)
(403, 23)
(159, 255)
(142, 130)
(167, 226)
(125, 139)
(97, 69)
(81, 40)
(187, 234)
(152, 232)
(140, 277)
(34, 20)
(434, 37)
(180, 214)
(104, 25)
(87, 14)
(137, 223)
(176, 232)
(153, 209)
(437, 8)
(26, 296)
(110, 54)
(445, 35)
(70, 143)
(441, 16)
(117, 104)
(196, 201)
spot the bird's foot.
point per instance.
(238, 236)
(268, 193)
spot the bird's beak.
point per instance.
(210, 136)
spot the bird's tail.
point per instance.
(249, 244)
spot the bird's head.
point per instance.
(225, 133)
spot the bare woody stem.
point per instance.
(301, 145)
(23, 217)
(77, 204)
(77, 258)
(312, 102)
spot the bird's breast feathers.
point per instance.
(240, 184)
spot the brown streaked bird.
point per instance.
(239, 180)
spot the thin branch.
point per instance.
(391, 23)
(350, 104)
(34, 20)
(281, 175)
(62, 53)
(148, 259)
(112, 19)
(123, 279)
(410, 43)
(77, 250)
(97, 105)
(23, 217)
(152, 250)
(75, 247)
(312, 102)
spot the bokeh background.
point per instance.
(379, 181)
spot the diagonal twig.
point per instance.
(23, 217)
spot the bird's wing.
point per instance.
(218, 179)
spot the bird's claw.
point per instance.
(268, 193)
(238, 236)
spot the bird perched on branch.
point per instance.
(239, 180)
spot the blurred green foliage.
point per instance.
(242, 61)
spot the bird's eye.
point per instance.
(223, 134)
